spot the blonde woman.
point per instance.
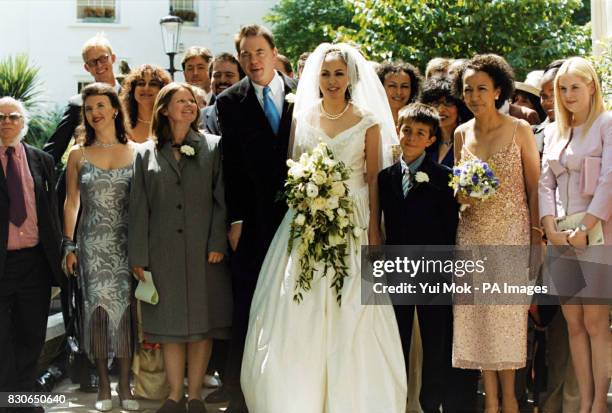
(581, 136)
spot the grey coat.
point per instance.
(177, 216)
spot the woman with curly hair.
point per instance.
(437, 92)
(492, 337)
(140, 88)
(401, 82)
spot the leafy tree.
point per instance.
(528, 33)
(19, 79)
(603, 65)
(300, 25)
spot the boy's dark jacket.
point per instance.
(427, 216)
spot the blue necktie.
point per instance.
(270, 110)
(406, 182)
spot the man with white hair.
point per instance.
(30, 241)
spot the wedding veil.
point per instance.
(367, 93)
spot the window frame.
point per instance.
(97, 4)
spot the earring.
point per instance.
(115, 115)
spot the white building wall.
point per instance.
(48, 31)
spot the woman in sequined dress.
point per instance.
(493, 338)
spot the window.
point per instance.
(103, 11)
(186, 10)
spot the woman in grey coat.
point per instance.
(177, 230)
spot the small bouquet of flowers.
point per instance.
(474, 178)
(323, 219)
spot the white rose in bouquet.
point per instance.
(318, 204)
(319, 177)
(332, 203)
(300, 219)
(312, 190)
(337, 189)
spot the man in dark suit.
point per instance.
(98, 59)
(30, 241)
(255, 121)
(225, 71)
(419, 209)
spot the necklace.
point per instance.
(447, 143)
(105, 145)
(337, 116)
(144, 121)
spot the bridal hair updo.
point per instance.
(160, 124)
(86, 133)
(351, 67)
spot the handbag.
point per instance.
(78, 363)
(589, 175)
(570, 222)
(148, 367)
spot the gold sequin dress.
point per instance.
(494, 337)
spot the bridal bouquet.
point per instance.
(474, 178)
(323, 219)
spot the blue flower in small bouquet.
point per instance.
(474, 178)
(323, 220)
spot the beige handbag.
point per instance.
(148, 367)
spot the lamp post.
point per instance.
(171, 33)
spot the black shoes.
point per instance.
(196, 406)
(170, 406)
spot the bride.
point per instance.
(317, 356)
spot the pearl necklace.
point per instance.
(105, 145)
(337, 116)
(144, 121)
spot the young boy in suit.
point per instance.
(419, 209)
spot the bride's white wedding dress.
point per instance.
(317, 357)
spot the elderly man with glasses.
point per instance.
(30, 241)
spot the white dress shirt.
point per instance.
(277, 92)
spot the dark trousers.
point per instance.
(442, 385)
(243, 286)
(25, 293)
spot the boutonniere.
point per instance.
(421, 177)
(290, 97)
(188, 150)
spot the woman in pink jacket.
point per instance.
(577, 178)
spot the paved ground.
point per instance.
(84, 402)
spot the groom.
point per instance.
(255, 122)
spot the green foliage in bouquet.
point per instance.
(323, 218)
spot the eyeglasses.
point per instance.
(12, 117)
(94, 62)
(443, 102)
(151, 83)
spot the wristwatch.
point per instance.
(582, 228)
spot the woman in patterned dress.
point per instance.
(98, 178)
(493, 338)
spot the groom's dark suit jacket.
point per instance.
(255, 169)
